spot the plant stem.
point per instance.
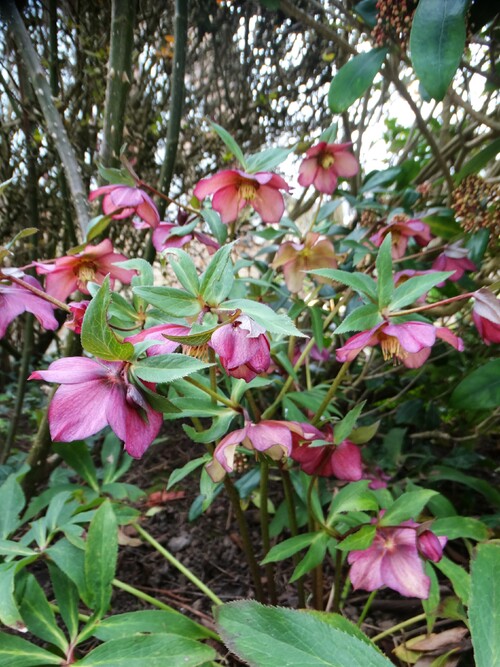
(338, 580)
(330, 393)
(294, 530)
(35, 290)
(245, 536)
(176, 563)
(214, 394)
(366, 608)
(399, 626)
(264, 526)
(429, 306)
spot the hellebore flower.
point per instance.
(233, 189)
(315, 252)
(93, 394)
(454, 258)
(73, 272)
(342, 461)
(78, 310)
(243, 348)
(122, 201)
(325, 163)
(409, 343)
(486, 315)
(162, 238)
(393, 560)
(15, 300)
(402, 229)
(270, 436)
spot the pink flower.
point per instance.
(78, 310)
(73, 272)
(325, 163)
(15, 299)
(402, 229)
(163, 239)
(269, 436)
(233, 189)
(243, 348)
(393, 560)
(486, 315)
(454, 258)
(342, 461)
(409, 343)
(122, 201)
(315, 252)
(96, 393)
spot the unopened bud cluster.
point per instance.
(394, 18)
(477, 204)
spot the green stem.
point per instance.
(294, 529)
(264, 526)
(366, 608)
(399, 626)
(330, 393)
(338, 581)
(176, 563)
(214, 394)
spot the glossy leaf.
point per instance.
(167, 367)
(277, 323)
(353, 497)
(484, 607)
(414, 287)
(460, 579)
(12, 502)
(480, 390)
(148, 621)
(354, 78)
(77, 456)
(407, 506)
(38, 615)
(100, 557)
(218, 278)
(361, 539)
(344, 427)
(170, 300)
(361, 319)
(67, 599)
(268, 159)
(17, 652)
(184, 269)
(289, 547)
(360, 282)
(461, 527)
(314, 556)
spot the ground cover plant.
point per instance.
(221, 315)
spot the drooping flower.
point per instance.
(315, 252)
(393, 560)
(243, 348)
(342, 461)
(73, 272)
(15, 299)
(270, 436)
(162, 238)
(122, 201)
(402, 229)
(94, 393)
(325, 163)
(486, 315)
(409, 342)
(454, 258)
(233, 189)
(78, 310)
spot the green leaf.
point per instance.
(267, 159)
(220, 427)
(67, 599)
(218, 278)
(314, 556)
(414, 287)
(344, 427)
(116, 176)
(354, 78)
(71, 561)
(479, 485)
(184, 268)
(231, 144)
(96, 227)
(217, 227)
(461, 527)
(385, 281)
(100, 557)
(9, 613)
(144, 269)
(360, 282)
(155, 650)
(273, 637)
(361, 539)
(484, 608)
(17, 652)
(354, 497)
(480, 390)
(77, 456)
(361, 319)
(381, 179)
(289, 547)
(442, 223)
(11, 548)
(481, 159)
(38, 615)
(460, 579)
(341, 623)
(122, 626)
(170, 300)
(97, 337)
(167, 367)
(437, 42)
(177, 475)
(28, 231)
(364, 434)
(407, 506)
(276, 323)
(12, 502)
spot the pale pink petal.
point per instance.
(403, 572)
(228, 203)
(225, 450)
(68, 421)
(413, 336)
(268, 203)
(486, 305)
(366, 568)
(356, 343)
(326, 180)
(269, 433)
(101, 191)
(60, 284)
(417, 359)
(124, 196)
(318, 148)
(75, 370)
(345, 164)
(307, 171)
(445, 334)
(208, 186)
(346, 462)
(136, 427)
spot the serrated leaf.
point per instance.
(180, 473)
(359, 540)
(289, 547)
(314, 556)
(184, 269)
(484, 607)
(217, 227)
(414, 287)
(218, 278)
(360, 282)
(361, 319)
(437, 42)
(231, 144)
(354, 497)
(354, 78)
(17, 652)
(100, 557)
(273, 637)
(407, 506)
(67, 599)
(385, 282)
(344, 427)
(38, 615)
(276, 323)
(122, 626)
(70, 560)
(143, 268)
(167, 367)
(170, 300)
(460, 579)
(461, 527)
(12, 502)
(97, 337)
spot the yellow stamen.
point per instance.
(326, 160)
(391, 347)
(86, 271)
(196, 351)
(248, 191)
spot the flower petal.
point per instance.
(68, 421)
(268, 203)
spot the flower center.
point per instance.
(326, 160)
(248, 191)
(391, 347)
(86, 271)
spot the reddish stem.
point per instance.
(38, 292)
